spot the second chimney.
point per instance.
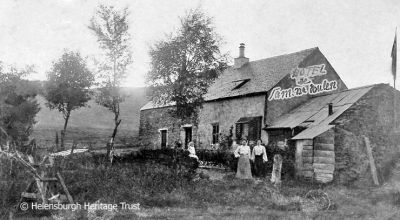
(241, 60)
(330, 109)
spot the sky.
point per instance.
(356, 36)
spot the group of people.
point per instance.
(258, 155)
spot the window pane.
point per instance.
(238, 131)
(215, 133)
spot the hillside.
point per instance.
(94, 123)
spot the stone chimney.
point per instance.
(330, 108)
(241, 60)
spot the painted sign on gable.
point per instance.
(304, 76)
(304, 83)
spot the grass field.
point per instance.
(164, 194)
(91, 124)
(96, 137)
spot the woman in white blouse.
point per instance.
(259, 156)
(192, 151)
(243, 168)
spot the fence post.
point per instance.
(371, 161)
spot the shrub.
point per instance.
(226, 158)
(14, 179)
(124, 182)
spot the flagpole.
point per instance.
(394, 83)
(394, 76)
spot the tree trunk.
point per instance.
(110, 145)
(57, 141)
(63, 132)
(117, 121)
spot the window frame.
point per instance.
(215, 133)
(254, 125)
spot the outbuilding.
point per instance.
(331, 132)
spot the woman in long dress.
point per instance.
(259, 156)
(243, 168)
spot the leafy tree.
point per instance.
(110, 26)
(68, 86)
(18, 106)
(184, 65)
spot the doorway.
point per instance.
(188, 136)
(163, 138)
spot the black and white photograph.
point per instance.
(199, 109)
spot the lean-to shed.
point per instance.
(315, 124)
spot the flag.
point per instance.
(394, 57)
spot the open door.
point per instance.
(188, 135)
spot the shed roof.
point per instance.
(313, 114)
(256, 76)
(244, 120)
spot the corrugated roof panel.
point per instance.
(292, 120)
(354, 96)
(316, 109)
(312, 132)
(320, 115)
(338, 96)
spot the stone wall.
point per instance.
(151, 120)
(351, 159)
(226, 113)
(372, 116)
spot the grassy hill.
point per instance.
(92, 124)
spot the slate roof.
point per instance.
(313, 114)
(262, 74)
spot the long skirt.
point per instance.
(243, 168)
(259, 166)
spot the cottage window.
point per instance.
(215, 133)
(248, 128)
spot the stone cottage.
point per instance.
(244, 99)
